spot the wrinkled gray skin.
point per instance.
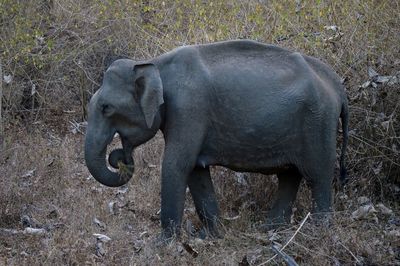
(239, 104)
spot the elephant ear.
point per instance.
(148, 90)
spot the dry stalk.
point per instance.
(290, 240)
(351, 253)
(1, 107)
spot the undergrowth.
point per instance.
(53, 55)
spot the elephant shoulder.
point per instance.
(182, 55)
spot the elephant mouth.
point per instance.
(120, 159)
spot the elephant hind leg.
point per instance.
(289, 182)
(319, 174)
(203, 194)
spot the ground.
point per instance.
(52, 57)
(46, 185)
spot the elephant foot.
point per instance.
(273, 223)
(322, 219)
(164, 239)
(205, 232)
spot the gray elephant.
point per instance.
(239, 104)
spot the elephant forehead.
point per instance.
(115, 95)
(120, 70)
(116, 76)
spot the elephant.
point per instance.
(240, 104)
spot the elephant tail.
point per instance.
(344, 115)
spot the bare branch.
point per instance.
(290, 240)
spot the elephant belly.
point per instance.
(250, 155)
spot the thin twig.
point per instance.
(1, 108)
(290, 240)
(351, 253)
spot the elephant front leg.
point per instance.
(173, 189)
(203, 194)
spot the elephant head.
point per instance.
(127, 103)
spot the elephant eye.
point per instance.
(107, 110)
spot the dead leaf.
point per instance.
(383, 209)
(99, 223)
(29, 173)
(366, 84)
(7, 78)
(100, 251)
(333, 28)
(190, 250)
(365, 212)
(111, 208)
(372, 73)
(102, 238)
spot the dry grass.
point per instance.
(56, 52)
(59, 197)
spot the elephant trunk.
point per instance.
(95, 157)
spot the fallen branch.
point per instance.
(351, 253)
(290, 240)
(289, 260)
(26, 231)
